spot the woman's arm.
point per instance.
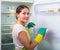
(25, 41)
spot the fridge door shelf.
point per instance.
(47, 8)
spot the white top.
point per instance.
(16, 29)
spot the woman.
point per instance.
(21, 38)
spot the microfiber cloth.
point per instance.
(45, 34)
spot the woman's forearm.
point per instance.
(31, 46)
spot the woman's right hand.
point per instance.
(40, 35)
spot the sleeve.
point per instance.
(18, 28)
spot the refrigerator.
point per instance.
(47, 15)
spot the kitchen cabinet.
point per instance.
(8, 8)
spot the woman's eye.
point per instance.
(28, 13)
(24, 13)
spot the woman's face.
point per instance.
(23, 16)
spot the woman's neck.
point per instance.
(22, 23)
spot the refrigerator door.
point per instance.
(49, 20)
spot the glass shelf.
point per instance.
(10, 13)
(5, 29)
(7, 44)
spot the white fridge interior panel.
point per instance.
(51, 20)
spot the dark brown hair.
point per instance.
(20, 7)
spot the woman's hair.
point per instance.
(19, 9)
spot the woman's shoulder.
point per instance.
(18, 26)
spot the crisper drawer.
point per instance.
(6, 38)
(8, 46)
